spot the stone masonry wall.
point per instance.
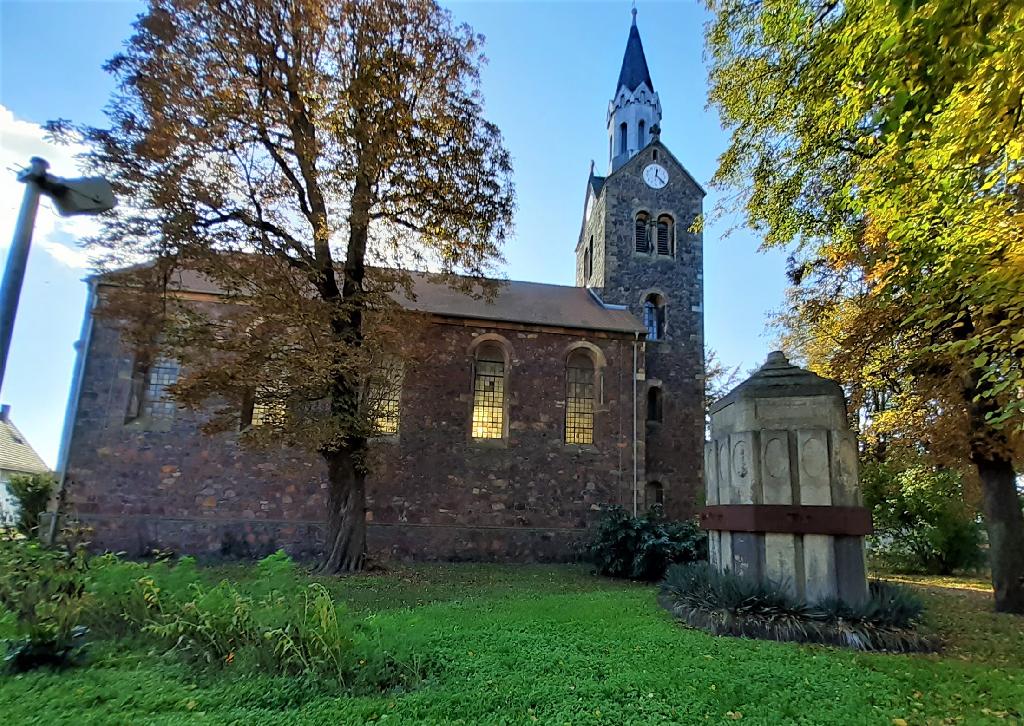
(435, 493)
(674, 446)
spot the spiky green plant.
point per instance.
(725, 603)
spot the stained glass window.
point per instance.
(579, 400)
(654, 317)
(489, 393)
(266, 407)
(156, 402)
(384, 399)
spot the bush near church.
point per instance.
(642, 548)
(51, 600)
(31, 492)
(923, 522)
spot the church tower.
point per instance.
(636, 249)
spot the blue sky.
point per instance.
(552, 70)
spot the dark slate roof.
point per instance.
(634, 63)
(530, 303)
(596, 182)
(15, 452)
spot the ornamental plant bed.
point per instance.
(723, 603)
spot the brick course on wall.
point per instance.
(434, 492)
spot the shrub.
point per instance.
(641, 548)
(126, 596)
(922, 521)
(724, 603)
(275, 626)
(32, 494)
(278, 633)
(45, 591)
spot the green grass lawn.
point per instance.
(546, 644)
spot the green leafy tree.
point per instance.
(299, 155)
(881, 139)
(32, 493)
(922, 519)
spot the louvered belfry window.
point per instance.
(579, 399)
(640, 232)
(665, 233)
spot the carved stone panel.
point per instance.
(812, 452)
(743, 469)
(775, 476)
(845, 489)
(724, 471)
(711, 472)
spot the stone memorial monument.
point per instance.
(783, 501)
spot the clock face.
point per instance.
(656, 176)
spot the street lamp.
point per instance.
(89, 195)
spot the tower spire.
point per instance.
(634, 62)
(634, 110)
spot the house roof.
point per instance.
(528, 303)
(15, 452)
(634, 63)
(531, 303)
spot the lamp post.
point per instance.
(89, 195)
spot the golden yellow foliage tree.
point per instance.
(883, 140)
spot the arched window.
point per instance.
(654, 155)
(654, 316)
(655, 494)
(654, 403)
(641, 142)
(666, 234)
(579, 398)
(640, 231)
(384, 397)
(489, 392)
(623, 137)
(588, 261)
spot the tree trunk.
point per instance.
(345, 549)
(1005, 524)
(990, 453)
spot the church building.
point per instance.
(535, 410)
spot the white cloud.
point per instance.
(57, 236)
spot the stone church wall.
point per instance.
(435, 493)
(674, 446)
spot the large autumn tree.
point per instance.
(882, 140)
(300, 155)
